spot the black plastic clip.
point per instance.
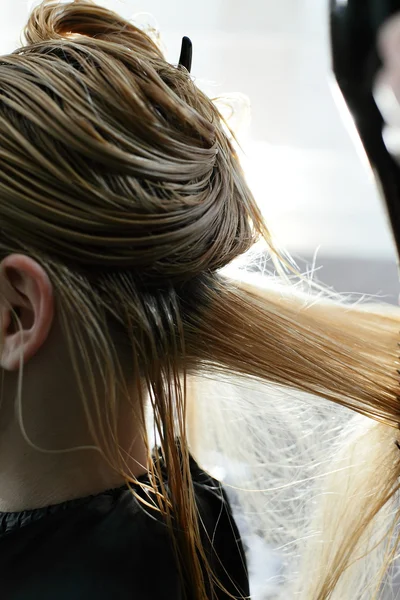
(185, 59)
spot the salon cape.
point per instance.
(109, 547)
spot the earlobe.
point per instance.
(28, 290)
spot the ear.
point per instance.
(25, 288)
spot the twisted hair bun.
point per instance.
(138, 170)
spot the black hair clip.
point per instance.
(185, 59)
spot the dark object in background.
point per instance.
(354, 29)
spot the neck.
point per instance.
(54, 419)
(31, 479)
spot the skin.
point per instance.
(53, 416)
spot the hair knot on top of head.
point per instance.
(126, 162)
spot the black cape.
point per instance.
(108, 547)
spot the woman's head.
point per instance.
(116, 178)
(121, 196)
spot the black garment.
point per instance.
(107, 547)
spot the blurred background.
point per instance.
(301, 161)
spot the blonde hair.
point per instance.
(118, 177)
